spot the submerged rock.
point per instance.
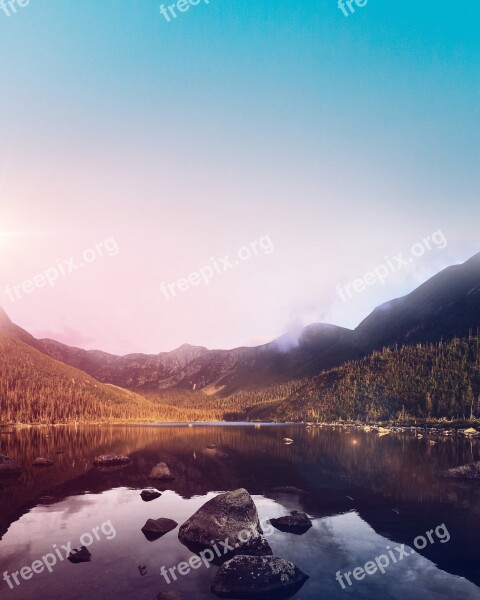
(257, 577)
(156, 528)
(161, 471)
(470, 471)
(111, 460)
(230, 518)
(8, 466)
(289, 489)
(42, 462)
(79, 555)
(215, 452)
(149, 495)
(297, 523)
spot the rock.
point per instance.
(470, 471)
(287, 441)
(257, 577)
(155, 529)
(110, 460)
(231, 517)
(470, 431)
(8, 466)
(42, 462)
(297, 523)
(79, 555)
(149, 495)
(213, 451)
(169, 596)
(161, 471)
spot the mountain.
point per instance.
(446, 306)
(226, 371)
(132, 371)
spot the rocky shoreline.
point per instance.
(462, 430)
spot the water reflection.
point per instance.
(363, 491)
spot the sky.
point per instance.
(219, 178)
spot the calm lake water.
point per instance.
(364, 493)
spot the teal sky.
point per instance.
(344, 139)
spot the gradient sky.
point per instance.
(344, 139)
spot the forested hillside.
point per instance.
(37, 389)
(422, 381)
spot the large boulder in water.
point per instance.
(258, 577)
(228, 521)
(8, 466)
(469, 471)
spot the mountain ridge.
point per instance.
(445, 306)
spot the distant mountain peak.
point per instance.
(188, 347)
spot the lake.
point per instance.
(368, 495)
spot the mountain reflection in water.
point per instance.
(363, 491)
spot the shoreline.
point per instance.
(427, 426)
